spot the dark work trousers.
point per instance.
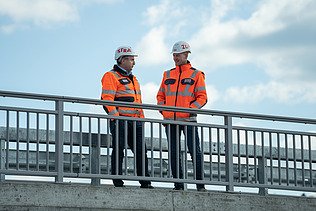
(197, 160)
(119, 147)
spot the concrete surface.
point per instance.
(66, 196)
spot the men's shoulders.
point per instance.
(171, 69)
(110, 70)
(108, 74)
(200, 71)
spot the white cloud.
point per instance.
(153, 48)
(89, 2)
(166, 21)
(213, 96)
(270, 37)
(26, 13)
(272, 91)
(278, 37)
(219, 9)
(155, 13)
(38, 12)
(8, 28)
(149, 91)
(105, 1)
(166, 11)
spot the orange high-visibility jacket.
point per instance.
(118, 86)
(183, 86)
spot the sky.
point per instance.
(258, 55)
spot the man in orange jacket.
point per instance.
(183, 86)
(119, 84)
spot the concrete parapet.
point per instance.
(64, 196)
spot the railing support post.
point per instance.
(95, 159)
(229, 154)
(59, 142)
(184, 167)
(2, 159)
(262, 175)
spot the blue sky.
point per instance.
(258, 56)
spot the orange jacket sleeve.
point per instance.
(161, 97)
(199, 92)
(109, 87)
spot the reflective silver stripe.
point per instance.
(170, 94)
(127, 88)
(115, 73)
(161, 103)
(122, 111)
(138, 92)
(111, 92)
(186, 89)
(201, 88)
(168, 74)
(198, 105)
(113, 112)
(194, 73)
(123, 92)
(168, 86)
(184, 94)
(162, 89)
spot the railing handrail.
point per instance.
(156, 107)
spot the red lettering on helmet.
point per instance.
(184, 46)
(125, 50)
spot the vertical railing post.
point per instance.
(95, 157)
(229, 154)
(59, 141)
(262, 162)
(2, 159)
(184, 165)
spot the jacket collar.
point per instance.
(184, 67)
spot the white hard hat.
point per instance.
(180, 47)
(124, 51)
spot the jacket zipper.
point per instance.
(134, 90)
(175, 103)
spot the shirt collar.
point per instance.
(125, 71)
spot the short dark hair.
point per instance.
(119, 60)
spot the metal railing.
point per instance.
(75, 143)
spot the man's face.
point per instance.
(180, 58)
(128, 63)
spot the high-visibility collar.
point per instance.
(184, 66)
